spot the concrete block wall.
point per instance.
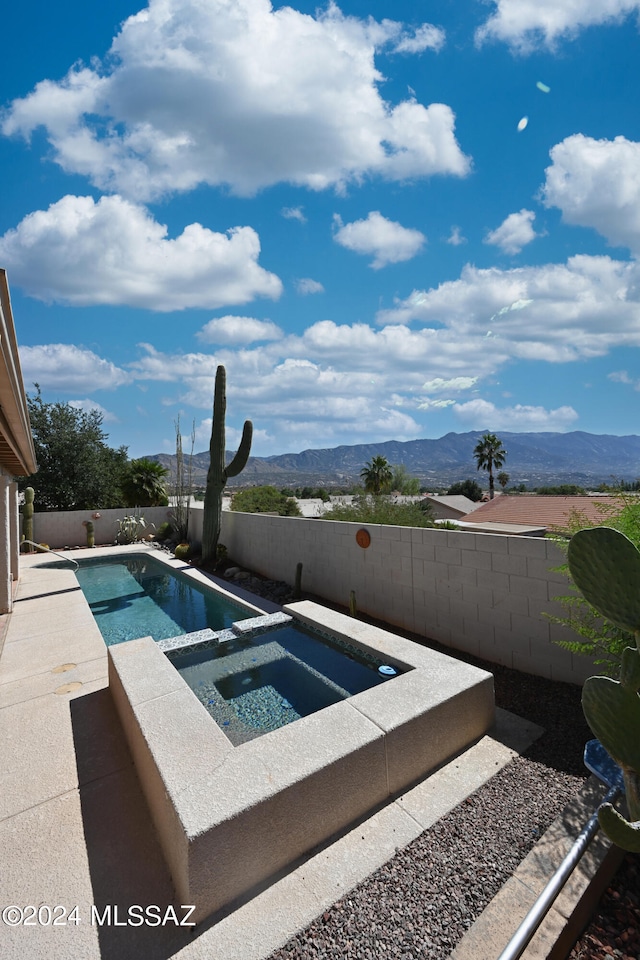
(63, 528)
(483, 593)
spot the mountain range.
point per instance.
(586, 459)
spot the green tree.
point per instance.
(265, 499)
(77, 470)
(143, 484)
(489, 453)
(403, 481)
(376, 475)
(466, 488)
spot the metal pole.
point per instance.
(49, 550)
(523, 935)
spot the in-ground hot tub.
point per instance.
(231, 817)
(269, 671)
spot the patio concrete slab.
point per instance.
(44, 861)
(40, 684)
(43, 579)
(54, 603)
(30, 656)
(39, 762)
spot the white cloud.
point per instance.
(480, 414)
(388, 241)
(230, 329)
(526, 25)
(306, 285)
(554, 312)
(64, 366)
(262, 439)
(438, 385)
(293, 213)
(621, 376)
(155, 365)
(80, 252)
(514, 232)
(425, 37)
(596, 183)
(435, 404)
(455, 238)
(233, 92)
(295, 396)
(89, 405)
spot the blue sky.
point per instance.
(388, 220)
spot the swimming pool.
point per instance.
(136, 595)
(252, 674)
(255, 683)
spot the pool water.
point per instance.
(137, 596)
(251, 686)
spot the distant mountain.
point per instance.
(532, 458)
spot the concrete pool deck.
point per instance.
(75, 827)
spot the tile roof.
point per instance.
(545, 511)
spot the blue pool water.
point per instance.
(251, 686)
(137, 596)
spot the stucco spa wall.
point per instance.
(478, 592)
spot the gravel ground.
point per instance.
(420, 904)
(614, 930)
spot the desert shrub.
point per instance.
(265, 500)
(381, 509)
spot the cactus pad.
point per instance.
(623, 833)
(605, 566)
(612, 710)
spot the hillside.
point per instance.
(533, 458)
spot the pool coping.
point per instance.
(230, 819)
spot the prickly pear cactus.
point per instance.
(626, 835)
(219, 474)
(605, 566)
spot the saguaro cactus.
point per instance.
(27, 516)
(605, 566)
(219, 473)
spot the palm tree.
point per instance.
(489, 453)
(503, 479)
(376, 474)
(143, 484)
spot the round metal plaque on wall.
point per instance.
(363, 538)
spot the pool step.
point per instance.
(202, 639)
(255, 625)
